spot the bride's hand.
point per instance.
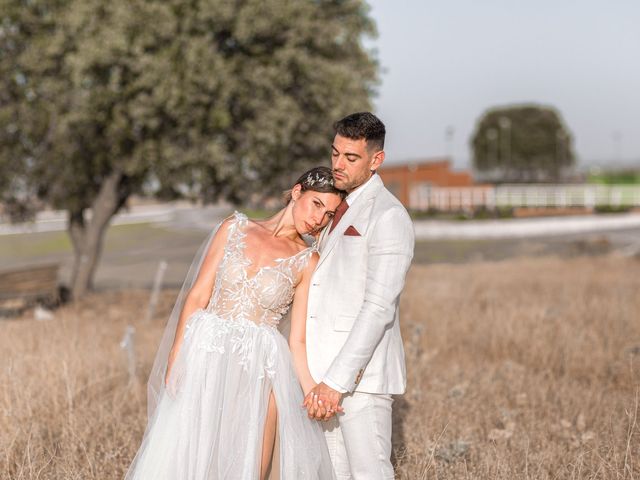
(173, 354)
(167, 375)
(307, 388)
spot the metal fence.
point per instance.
(425, 197)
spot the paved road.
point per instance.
(525, 227)
(186, 215)
(134, 250)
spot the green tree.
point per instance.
(527, 143)
(206, 99)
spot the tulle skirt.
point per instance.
(209, 422)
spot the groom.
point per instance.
(354, 346)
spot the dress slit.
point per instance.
(273, 471)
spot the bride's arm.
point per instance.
(297, 336)
(200, 293)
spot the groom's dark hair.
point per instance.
(362, 125)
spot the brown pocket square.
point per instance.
(352, 232)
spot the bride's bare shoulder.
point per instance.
(223, 230)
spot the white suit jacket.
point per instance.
(353, 332)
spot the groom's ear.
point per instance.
(377, 160)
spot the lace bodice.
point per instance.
(262, 298)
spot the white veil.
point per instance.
(155, 385)
(303, 449)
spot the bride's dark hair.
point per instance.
(318, 179)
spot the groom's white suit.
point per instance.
(353, 333)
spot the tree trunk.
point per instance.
(87, 236)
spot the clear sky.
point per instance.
(445, 62)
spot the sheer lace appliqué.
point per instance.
(243, 302)
(262, 298)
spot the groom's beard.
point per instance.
(350, 184)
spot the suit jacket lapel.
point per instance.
(354, 210)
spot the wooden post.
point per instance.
(155, 292)
(128, 343)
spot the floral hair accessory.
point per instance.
(317, 180)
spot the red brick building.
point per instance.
(410, 180)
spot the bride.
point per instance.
(225, 381)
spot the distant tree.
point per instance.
(206, 99)
(527, 143)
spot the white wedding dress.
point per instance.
(211, 424)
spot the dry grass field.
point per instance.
(526, 368)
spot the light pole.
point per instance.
(448, 141)
(561, 146)
(492, 151)
(505, 136)
(616, 136)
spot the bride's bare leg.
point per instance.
(268, 440)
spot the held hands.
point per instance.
(322, 402)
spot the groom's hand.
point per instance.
(320, 407)
(323, 402)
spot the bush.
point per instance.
(612, 209)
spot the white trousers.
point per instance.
(359, 440)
